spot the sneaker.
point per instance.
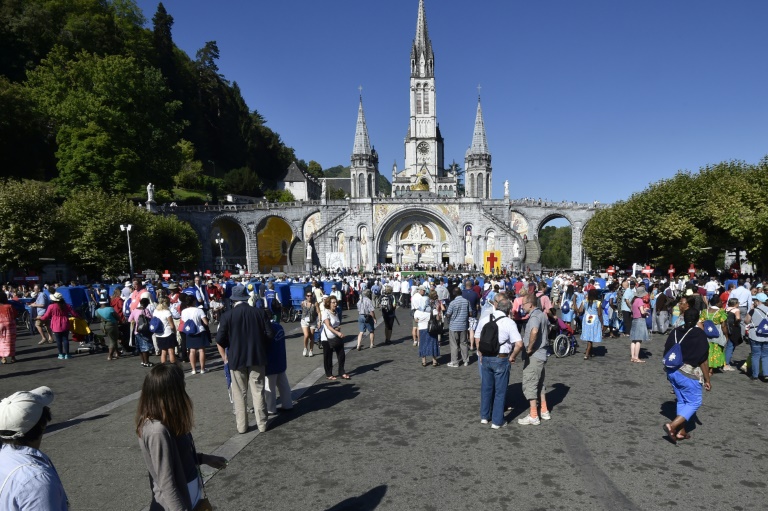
(415, 343)
(728, 367)
(483, 421)
(452, 364)
(61, 357)
(202, 371)
(193, 371)
(466, 364)
(304, 353)
(494, 426)
(545, 416)
(67, 356)
(311, 354)
(528, 420)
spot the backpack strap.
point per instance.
(5, 481)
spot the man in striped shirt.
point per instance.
(458, 315)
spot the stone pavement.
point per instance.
(400, 436)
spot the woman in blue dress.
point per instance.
(592, 326)
(567, 298)
(610, 316)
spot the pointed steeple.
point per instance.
(479, 141)
(422, 57)
(362, 143)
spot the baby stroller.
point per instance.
(83, 335)
(565, 341)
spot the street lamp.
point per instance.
(127, 228)
(220, 242)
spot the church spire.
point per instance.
(362, 143)
(422, 57)
(479, 141)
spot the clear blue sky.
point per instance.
(583, 100)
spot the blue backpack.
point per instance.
(156, 325)
(673, 359)
(710, 329)
(190, 327)
(566, 307)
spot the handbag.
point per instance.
(203, 504)
(434, 327)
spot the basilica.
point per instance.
(430, 218)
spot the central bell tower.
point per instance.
(424, 152)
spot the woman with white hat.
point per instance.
(59, 313)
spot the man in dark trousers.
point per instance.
(246, 334)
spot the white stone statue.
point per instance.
(150, 192)
(491, 243)
(342, 243)
(506, 188)
(364, 247)
(468, 242)
(309, 252)
(416, 233)
(322, 191)
(516, 249)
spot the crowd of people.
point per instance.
(498, 319)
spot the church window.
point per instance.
(426, 101)
(370, 186)
(361, 185)
(418, 101)
(480, 186)
(487, 186)
(471, 185)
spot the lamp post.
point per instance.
(127, 228)
(220, 242)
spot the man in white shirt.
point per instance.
(742, 294)
(396, 289)
(405, 293)
(495, 366)
(417, 303)
(711, 288)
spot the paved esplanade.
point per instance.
(400, 436)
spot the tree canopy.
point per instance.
(689, 218)
(90, 96)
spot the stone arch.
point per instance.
(399, 219)
(238, 246)
(275, 237)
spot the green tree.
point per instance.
(242, 181)
(94, 243)
(315, 169)
(116, 127)
(337, 194)
(279, 196)
(555, 247)
(29, 224)
(178, 240)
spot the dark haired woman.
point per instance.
(59, 313)
(687, 381)
(164, 424)
(7, 329)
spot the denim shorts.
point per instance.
(365, 323)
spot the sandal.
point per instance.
(435, 363)
(345, 377)
(670, 434)
(423, 364)
(332, 378)
(683, 437)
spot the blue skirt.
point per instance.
(197, 342)
(428, 346)
(639, 331)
